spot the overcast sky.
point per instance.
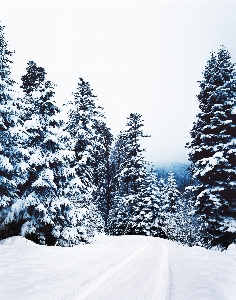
(139, 56)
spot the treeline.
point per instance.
(180, 170)
(65, 179)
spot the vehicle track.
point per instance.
(104, 277)
(161, 291)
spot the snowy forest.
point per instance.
(64, 178)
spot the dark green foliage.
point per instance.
(212, 151)
(91, 141)
(10, 136)
(130, 160)
(5, 61)
(10, 229)
(135, 197)
(32, 80)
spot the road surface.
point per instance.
(144, 274)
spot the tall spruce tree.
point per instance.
(172, 193)
(133, 167)
(91, 140)
(102, 170)
(117, 157)
(11, 152)
(8, 187)
(144, 219)
(131, 174)
(39, 191)
(171, 209)
(81, 112)
(212, 151)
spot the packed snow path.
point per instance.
(124, 268)
(143, 274)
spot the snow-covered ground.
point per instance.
(126, 267)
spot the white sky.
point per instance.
(139, 56)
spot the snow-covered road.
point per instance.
(142, 275)
(122, 268)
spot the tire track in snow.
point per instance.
(104, 277)
(161, 291)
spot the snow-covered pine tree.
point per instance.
(8, 186)
(133, 168)
(47, 213)
(80, 127)
(11, 168)
(102, 169)
(117, 157)
(91, 140)
(172, 193)
(117, 219)
(101, 166)
(39, 191)
(212, 151)
(163, 206)
(131, 172)
(172, 216)
(84, 221)
(119, 214)
(147, 207)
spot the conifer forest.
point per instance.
(63, 179)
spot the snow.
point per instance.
(32, 124)
(5, 163)
(162, 289)
(125, 267)
(36, 94)
(234, 110)
(198, 273)
(36, 158)
(17, 241)
(45, 179)
(104, 277)
(23, 166)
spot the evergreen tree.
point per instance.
(119, 215)
(147, 207)
(102, 170)
(181, 226)
(163, 207)
(212, 151)
(172, 193)
(7, 122)
(91, 141)
(131, 173)
(171, 210)
(133, 167)
(39, 191)
(45, 206)
(117, 157)
(11, 168)
(81, 114)
(181, 171)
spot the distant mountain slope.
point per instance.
(180, 170)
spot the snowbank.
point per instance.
(232, 250)
(17, 241)
(43, 272)
(202, 274)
